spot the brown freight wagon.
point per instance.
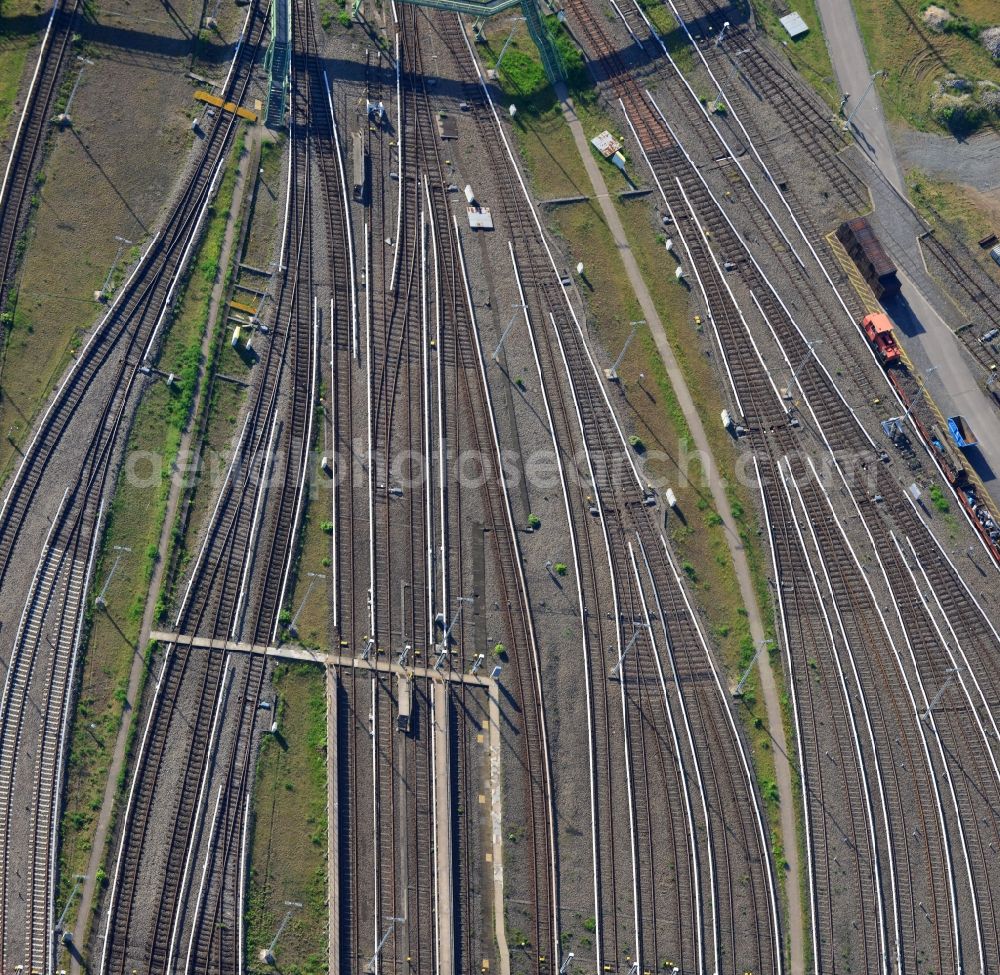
(866, 251)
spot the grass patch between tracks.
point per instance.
(289, 842)
(310, 598)
(135, 521)
(546, 143)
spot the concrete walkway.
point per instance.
(496, 832)
(97, 853)
(769, 689)
(850, 64)
(442, 828)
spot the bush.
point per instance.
(534, 522)
(637, 444)
(560, 568)
(327, 527)
(499, 650)
(964, 26)
(522, 73)
(962, 118)
(939, 499)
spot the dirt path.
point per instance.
(769, 689)
(97, 855)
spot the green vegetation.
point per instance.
(310, 594)
(920, 60)
(328, 9)
(220, 411)
(15, 54)
(670, 33)
(534, 522)
(560, 568)
(808, 54)
(521, 74)
(289, 843)
(939, 499)
(134, 525)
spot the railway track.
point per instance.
(833, 770)
(769, 79)
(757, 940)
(842, 429)
(977, 293)
(524, 660)
(29, 138)
(886, 720)
(840, 426)
(44, 653)
(74, 535)
(405, 905)
(542, 290)
(253, 524)
(127, 337)
(354, 610)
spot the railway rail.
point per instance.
(130, 328)
(808, 119)
(978, 295)
(944, 949)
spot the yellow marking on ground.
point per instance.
(243, 306)
(210, 99)
(856, 278)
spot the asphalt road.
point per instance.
(929, 339)
(850, 64)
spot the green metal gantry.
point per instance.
(278, 63)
